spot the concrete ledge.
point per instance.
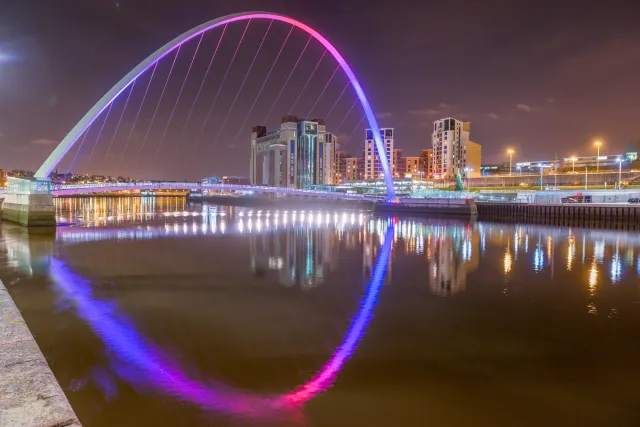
(31, 210)
(30, 395)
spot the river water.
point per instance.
(158, 312)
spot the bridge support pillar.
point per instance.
(29, 202)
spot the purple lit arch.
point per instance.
(64, 146)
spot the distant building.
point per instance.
(297, 155)
(531, 167)
(237, 180)
(3, 178)
(398, 164)
(372, 167)
(340, 167)
(353, 170)
(453, 151)
(495, 169)
(412, 166)
(604, 162)
(426, 163)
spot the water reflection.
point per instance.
(306, 250)
(140, 362)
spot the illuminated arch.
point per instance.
(66, 144)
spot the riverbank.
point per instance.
(29, 393)
(588, 215)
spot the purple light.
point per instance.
(142, 363)
(106, 100)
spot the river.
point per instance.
(158, 311)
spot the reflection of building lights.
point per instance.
(571, 252)
(549, 247)
(538, 258)
(507, 262)
(598, 251)
(593, 278)
(466, 250)
(616, 268)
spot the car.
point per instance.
(634, 200)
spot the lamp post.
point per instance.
(573, 159)
(586, 176)
(541, 171)
(619, 173)
(510, 151)
(598, 144)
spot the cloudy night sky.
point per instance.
(540, 77)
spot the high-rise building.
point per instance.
(397, 163)
(453, 151)
(372, 168)
(297, 155)
(426, 163)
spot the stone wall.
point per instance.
(29, 393)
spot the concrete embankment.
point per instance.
(29, 393)
(430, 207)
(603, 215)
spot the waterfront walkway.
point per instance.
(29, 393)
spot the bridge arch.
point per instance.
(65, 145)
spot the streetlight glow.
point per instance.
(598, 144)
(573, 159)
(510, 152)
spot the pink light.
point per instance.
(68, 141)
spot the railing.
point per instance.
(61, 189)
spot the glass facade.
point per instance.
(306, 153)
(28, 186)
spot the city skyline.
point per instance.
(542, 109)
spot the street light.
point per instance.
(620, 173)
(598, 144)
(510, 151)
(541, 169)
(573, 159)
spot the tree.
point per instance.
(459, 184)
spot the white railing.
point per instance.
(62, 189)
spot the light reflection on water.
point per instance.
(449, 248)
(306, 249)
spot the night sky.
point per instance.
(540, 77)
